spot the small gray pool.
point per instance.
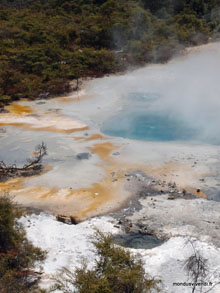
(137, 240)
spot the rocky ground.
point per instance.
(161, 209)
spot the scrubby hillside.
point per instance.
(46, 43)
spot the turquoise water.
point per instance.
(139, 120)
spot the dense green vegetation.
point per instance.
(17, 254)
(116, 270)
(46, 43)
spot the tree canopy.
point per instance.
(46, 43)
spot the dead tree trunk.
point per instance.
(32, 167)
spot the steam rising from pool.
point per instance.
(138, 120)
(175, 101)
(178, 101)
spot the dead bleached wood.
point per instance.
(33, 165)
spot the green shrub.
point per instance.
(116, 270)
(17, 255)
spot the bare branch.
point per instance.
(197, 268)
(33, 164)
(40, 152)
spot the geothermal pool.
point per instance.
(137, 120)
(137, 240)
(160, 119)
(178, 101)
(156, 124)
